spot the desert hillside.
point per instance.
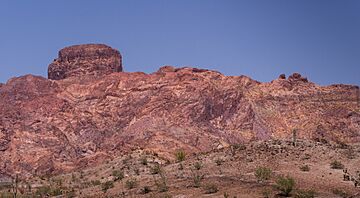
(90, 111)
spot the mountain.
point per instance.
(90, 110)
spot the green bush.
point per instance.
(118, 175)
(131, 183)
(107, 185)
(336, 165)
(305, 168)
(285, 185)
(305, 194)
(180, 156)
(211, 188)
(263, 174)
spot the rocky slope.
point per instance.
(88, 111)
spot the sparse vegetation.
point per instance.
(211, 188)
(263, 174)
(162, 184)
(48, 191)
(145, 190)
(118, 175)
(336, 165)
(239, 146)
(266, 193)
(143, 160)
(305, 168)
(107, 185)
(197, 178)
(180, 156)
(305, 194)
(197, 165)
(156, 169)
(285, 185)
(131, 183)
(340, 192)
(95, 182)
(219, 161)
(181, 166)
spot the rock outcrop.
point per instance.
(49, 126)
(89, 59)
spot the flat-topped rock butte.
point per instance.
(89, 110)
(90, 59)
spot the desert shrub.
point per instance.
(263, 174)
(162, 184)
(219, 161)
(197, 178)
(336, 165)
(166, 196)
(145, 190)
(239, 146)
(107, 185)
(211, 188)
(181, 166)
(340, 192)
(180, 156)
(137, 171)
(226, 195)
(266, 193)
(305, 168)
(95, 182)
(47, 190)
(305, 194)
(143, 160)
(285, 185)
(6, 195)
(156, 169)
(130, 183)
(118, 175)
(197, 165)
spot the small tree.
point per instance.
(285, 185)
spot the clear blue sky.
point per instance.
(261, 39)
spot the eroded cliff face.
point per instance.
(50, 126)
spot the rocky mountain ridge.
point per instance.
(89, 110)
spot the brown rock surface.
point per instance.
(78, 60)
(54, 126)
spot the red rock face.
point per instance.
(89, 59)
(51, 126)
